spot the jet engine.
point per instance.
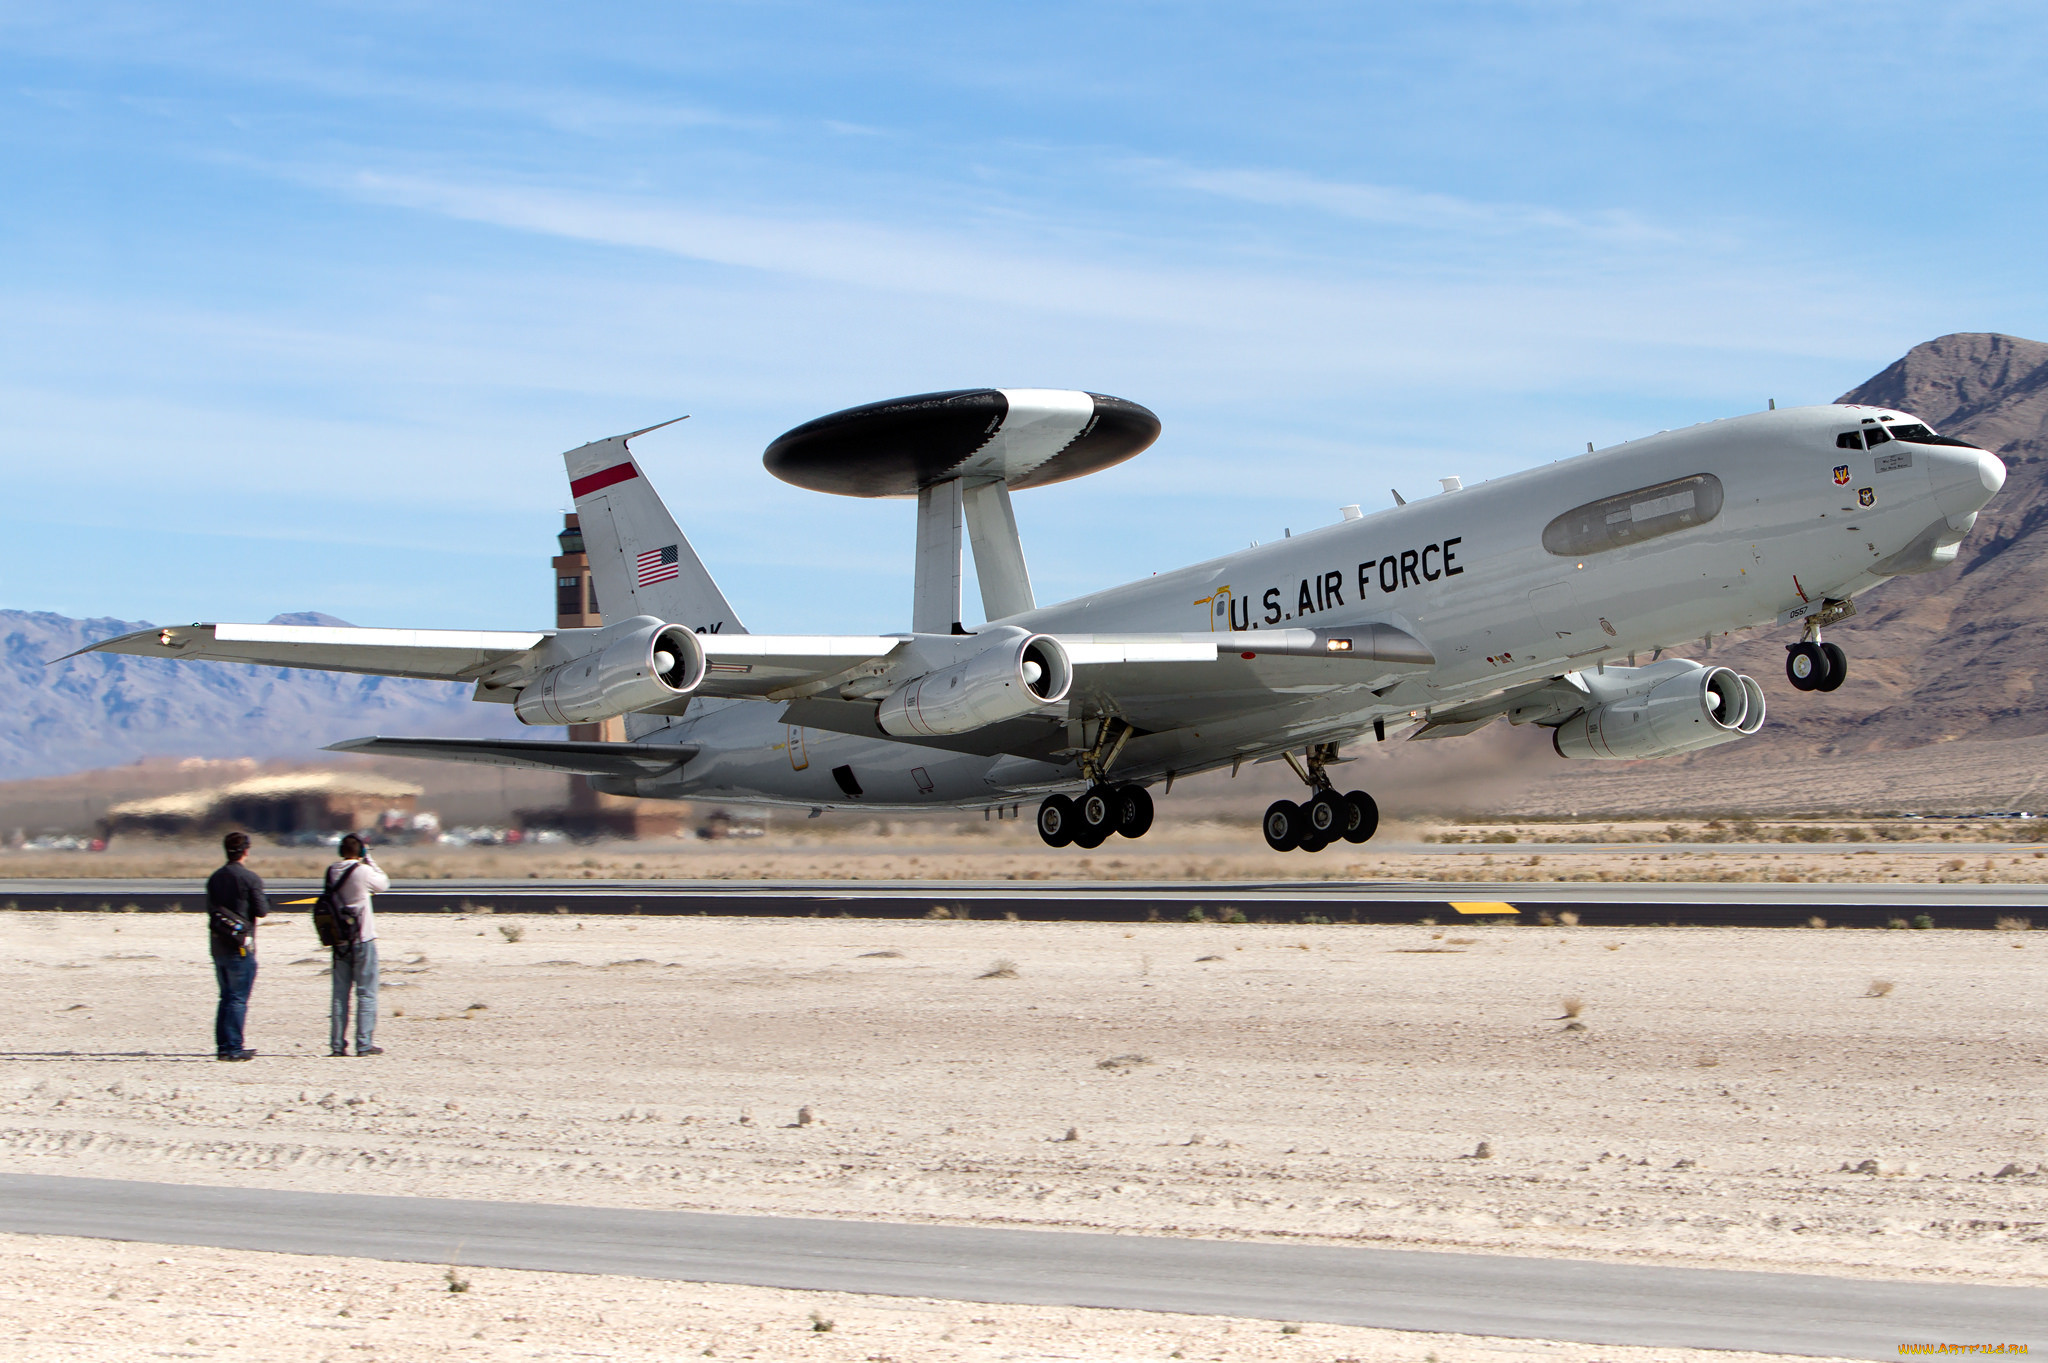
(996, 684)
(1695, 709)
(642, 664)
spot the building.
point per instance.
(299, 802)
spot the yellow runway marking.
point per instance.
(1485, 908)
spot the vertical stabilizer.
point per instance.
(640, 564)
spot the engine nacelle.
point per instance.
(644, 664)
(996, 684)
(1693, 710)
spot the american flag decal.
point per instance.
(656, 565)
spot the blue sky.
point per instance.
(302, 302)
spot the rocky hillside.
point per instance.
(105, 711)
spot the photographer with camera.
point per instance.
(350, 883)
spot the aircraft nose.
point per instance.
(1964, 480)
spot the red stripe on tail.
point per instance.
(603, 478)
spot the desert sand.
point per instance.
(1851, 1102)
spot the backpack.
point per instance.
(335, 922)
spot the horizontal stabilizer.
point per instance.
(586, 759)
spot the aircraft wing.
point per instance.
(739, 664)
(587, 759)
(433, 654)
(762, 664)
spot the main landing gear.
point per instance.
(1325, 816)
(1100, 811)
(1103, 808)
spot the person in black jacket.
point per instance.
(234, 901)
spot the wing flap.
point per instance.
(587, 759)
(760, 665)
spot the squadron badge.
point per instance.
(1866, 496)
(1841, 475)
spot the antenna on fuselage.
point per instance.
(1399, 500)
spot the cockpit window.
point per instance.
(1849, 440)
(1876, 435)
(1910, 430)
(1632, 517)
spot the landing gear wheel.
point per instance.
(1133, 809)
(1838, 668)
(1806, 667)
(1283, 825)
(1315, 842)
(1095, 812)
(1091, 838)
(1365, 817)
(1325, 816)
(1057, 821)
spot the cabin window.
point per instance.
(1876, 435)
(1632, 517)
(1848, 440)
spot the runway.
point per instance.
(1565, 1299)
(1596, 904)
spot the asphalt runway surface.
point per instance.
(1560, 1299)
(1597, 904)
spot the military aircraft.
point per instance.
(1532, 597)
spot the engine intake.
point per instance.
(644, 664)
(994, 685)
(1693, 710)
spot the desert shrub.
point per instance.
(1923, 921)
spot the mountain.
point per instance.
(106, 710)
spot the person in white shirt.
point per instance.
(353, 880)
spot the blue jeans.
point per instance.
(360, 975)
(237, 976)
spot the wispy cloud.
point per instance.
(1394, 206)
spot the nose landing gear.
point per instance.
(1812, 665)
(1323, 818)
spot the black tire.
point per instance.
(1805, 666)
(1091, 838)
(1325, 816)
(1282, 825)
(1367, 820)
(1057, 821)
(1133, 810)
(1316, 842)
(1838, 667)
(1095, 812)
